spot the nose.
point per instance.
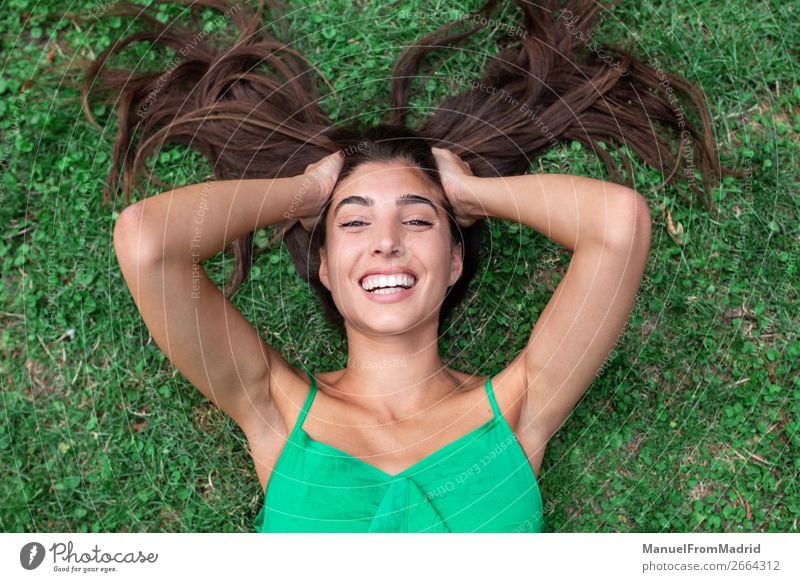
(388, 239)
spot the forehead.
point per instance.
(381, 180)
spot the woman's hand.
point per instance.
(455, 174)
(319, 180)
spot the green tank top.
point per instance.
(481, 482)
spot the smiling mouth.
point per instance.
(387, 285)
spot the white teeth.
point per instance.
(388, 281)
(387, 291)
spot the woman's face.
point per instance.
(387, 217)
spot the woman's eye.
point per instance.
(415, 222)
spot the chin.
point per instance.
(387, 326)
(390, 324)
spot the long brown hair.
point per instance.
(252, 109)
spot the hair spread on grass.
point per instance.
(251, 107)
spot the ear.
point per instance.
(456, 264)
(323, 268)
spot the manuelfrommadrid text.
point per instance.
(693, 549)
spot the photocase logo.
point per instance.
(31, 555)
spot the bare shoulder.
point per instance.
(287, 390)
(510, 388)
(269, 425)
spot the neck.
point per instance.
(394, 376)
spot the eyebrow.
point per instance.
(404, 200)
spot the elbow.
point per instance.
(132, 241)
(631, 221)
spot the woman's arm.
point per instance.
(196, 222)
(160, 243)
(608, 228)
(570, 210)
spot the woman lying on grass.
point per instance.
(384, 222)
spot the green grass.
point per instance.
(692, 424)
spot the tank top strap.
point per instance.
(307, 404)
(490, 395)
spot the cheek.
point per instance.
(437, 255)
(340, 259)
